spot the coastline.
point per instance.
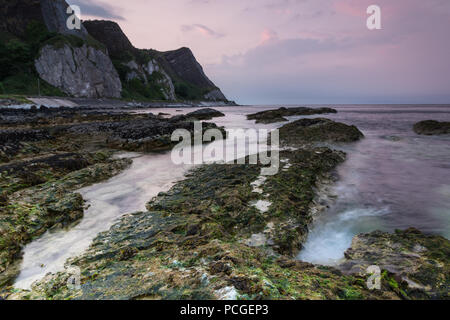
(192, 244)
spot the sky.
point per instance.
(299, 51)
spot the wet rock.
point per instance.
(205, 114)
(35, 209)
(3, 199)
(127, 253)
(244, 284)
(273, 116)
(318, 130)
(220, 267)
(415, 264)
(193, 230)
(431, 127)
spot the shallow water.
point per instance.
(392, 179)
(126, 193)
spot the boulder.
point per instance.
(318, 130)
(205, 114)
(431, 127)
(278, 115)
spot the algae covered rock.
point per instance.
(318, 130)
(273, 116)
(416, 265)
(190, 244)
(31, 211)
(205, 114)
(431, 127)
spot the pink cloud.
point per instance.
(351, 7)
(268, 36)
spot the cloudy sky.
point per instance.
(300, 51)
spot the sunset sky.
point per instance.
(299, 51)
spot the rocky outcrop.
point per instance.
(175, 69)
(205, 114)
(183, 65)
(416, 265)
(273, 116)
(151, 73)
(431, 127)
(143, 74)
(305, 131)
(55, 17)
(111, 35)
(186, 67)
(15, 15)
(79, 71)
(69, 59)
(215, 95)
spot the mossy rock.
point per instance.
(431, 127)
(318, 130)
(278, 115)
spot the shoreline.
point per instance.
(200, 251)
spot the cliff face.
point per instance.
(184, 65)
(111, 35)
(55, 17)
(180, 75)
(80, 72)
(16, 14)
(67, 59)
(99, 60)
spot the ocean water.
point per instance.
(392, 179)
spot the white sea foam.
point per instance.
(327, 241)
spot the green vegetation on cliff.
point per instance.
(17, 54)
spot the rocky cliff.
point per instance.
(14, 15)
(80, 72)
(97, 60)
(176, 74)
(69, 60)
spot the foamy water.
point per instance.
(126, 193)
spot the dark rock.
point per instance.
(111, 35)
(3, 199)
(243, 284)
(220, 267)
(273, 116)
(431, 127)
(127, 253)
(193, 230)
(205, 114)
(16, 14)
(415, 263)
(182, 64)
(179, 67)
(318, 130)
